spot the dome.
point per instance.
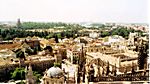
(54, 72)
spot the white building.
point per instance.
(71, 54)
(115, 38)
(94, 35)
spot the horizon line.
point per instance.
(75, 21)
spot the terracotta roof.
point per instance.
(24, 45)
(9, 46)
(45, 42)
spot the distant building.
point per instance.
(132, 38)
(94, 35)
(58, 57)
(115, 38)
(45, 42)
(18, 23)
(5, 42)
(6, 53)
(72, 54)
(33, 42)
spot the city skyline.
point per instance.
(126, 11)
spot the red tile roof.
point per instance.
(9, 46)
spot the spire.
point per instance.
(82, 50)
(30, 78)
(107, 68)
(30, 72)
(98, 60)
(115, 70)
(18, 23)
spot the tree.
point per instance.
(8, 37)
(0, 31)
(122, 31)
(59, 35)
(29, 51)
(56, 39)
(105, 33)
(20, 54)
(57, 64)
(50, 36)
(49, 48)
(18, 74)
(37, 75)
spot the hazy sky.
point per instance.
(74, 10)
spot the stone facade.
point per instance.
(30, 79)
(39, 66)
(48, 80)
(71, 54)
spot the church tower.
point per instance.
(30, 78)
(81, 66)
(58, 57)
(18, 23)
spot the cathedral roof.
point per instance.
(54, 72)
